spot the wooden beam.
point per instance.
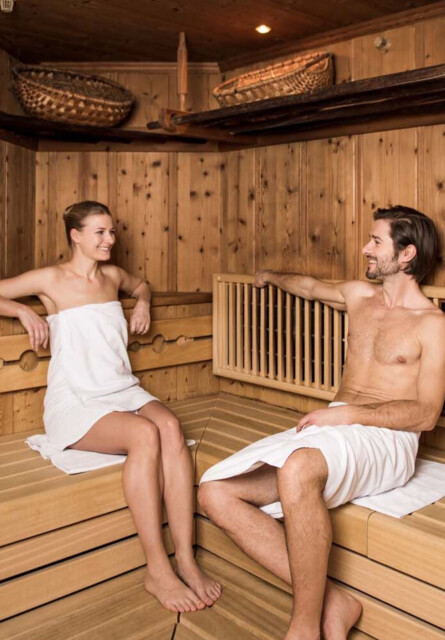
(168, 118)
(327, 38)
(33, 128)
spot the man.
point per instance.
(393, 379)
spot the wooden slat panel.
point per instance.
(298, 349)
(317, 344)
(263, 348)
(327, 348)
(337, 349)
(271, 330)
(307, 343)
(255, 347)
(279, 340)
(247, 329)
(239, 329)
(232, 320)
(288, 346)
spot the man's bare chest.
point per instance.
(384, 338)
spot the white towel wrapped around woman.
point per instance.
(90, 373)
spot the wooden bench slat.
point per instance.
(408, 545)
(54, 546)
(393, 587)
(58, 580)
(88, 609)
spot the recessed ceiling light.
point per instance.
(262, 28)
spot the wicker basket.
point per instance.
(66, 96)
(304, 74)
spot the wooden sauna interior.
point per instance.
(186, 210)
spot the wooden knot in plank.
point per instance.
(29, 361)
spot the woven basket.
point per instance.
(66, 96)
(304, 74)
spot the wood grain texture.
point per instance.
(119, 607)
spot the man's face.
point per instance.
(382, 259)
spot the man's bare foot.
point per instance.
(340, 613)
(207, 589)
(172, 593)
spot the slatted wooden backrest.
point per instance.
(276, 339)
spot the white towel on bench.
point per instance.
(426, 486)
(74, 461)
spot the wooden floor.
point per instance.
(71, 564)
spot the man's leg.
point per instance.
(233, 505)
(301, 482)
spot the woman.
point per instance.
(94, 403)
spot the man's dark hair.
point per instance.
(409, 226)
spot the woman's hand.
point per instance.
(140, 318)
(36, 327)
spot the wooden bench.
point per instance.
(71, 564)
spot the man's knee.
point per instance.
(212, 497)
(305, 470)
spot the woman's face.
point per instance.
(96, 238)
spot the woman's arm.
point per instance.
(27, 284)
(141, 290)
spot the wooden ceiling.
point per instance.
(147, 30)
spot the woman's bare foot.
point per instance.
(207, 589)
(171, 592)
(340, 613)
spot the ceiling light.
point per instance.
(262, 28)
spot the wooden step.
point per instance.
(63, 578)
(119, 609)
(249, 608)
(406, 594)
(414, 544)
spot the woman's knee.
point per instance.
(144, 436)
(170, 432)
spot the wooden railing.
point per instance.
(273, 338)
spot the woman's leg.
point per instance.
(142, 481)
(177, 467)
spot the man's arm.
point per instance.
(404, 415)
(333, 294)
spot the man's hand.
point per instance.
(36, 327)
(261, 279)
(332, 417)
(140, 318)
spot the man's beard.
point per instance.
(386, 267)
